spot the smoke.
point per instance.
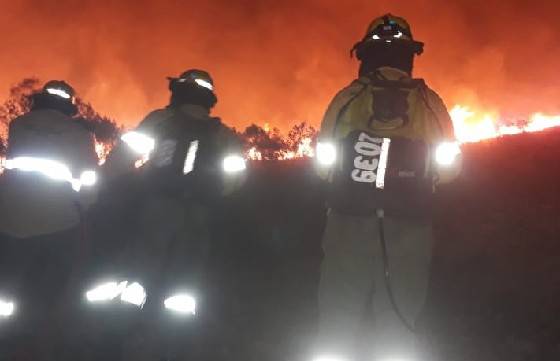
(277, 61)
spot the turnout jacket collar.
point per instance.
(193, 110)
(389, 73)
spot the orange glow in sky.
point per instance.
(278, 62)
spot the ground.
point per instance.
(495, 282)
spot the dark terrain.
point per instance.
(495, 285)
(495, 288)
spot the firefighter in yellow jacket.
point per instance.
(386, 143)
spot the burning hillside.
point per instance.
(473, 126)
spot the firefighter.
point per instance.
(47, 186)
(185, 161)
(386, 143)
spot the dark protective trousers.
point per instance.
(35, 273)
(170, 252)
(356, 318)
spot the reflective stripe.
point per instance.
(52, 169)
(59, 92)
(234, 163)
(383, 160)
(139, 142)
(191, 157)
(326, 153)
(205, 84)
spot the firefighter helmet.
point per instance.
(194, 77)
(59, 89)
(390, 30)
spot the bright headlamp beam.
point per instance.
(58, 92)
(7, 308)
(181, 303)
(139, 142)
(326, 154)
(447, 153)
(205, 84)
(234, 163)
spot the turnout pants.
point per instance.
(356, 318)
(171, 252)
(35, 274)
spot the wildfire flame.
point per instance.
(305, 149)
(102, 151)
(474, 126)
(254, 154)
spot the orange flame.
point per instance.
(305, 149)
(254, 154)
(102, 151)
(474, 126)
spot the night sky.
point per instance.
(278, 61)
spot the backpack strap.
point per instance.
(344, 102)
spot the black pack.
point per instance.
(377, 172)
(187, 157)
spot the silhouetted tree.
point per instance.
(270, 144)
(298, 134)
(18, 101)
(2, 147)
(105, 129)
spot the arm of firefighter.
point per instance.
(443, 136)
(235, 173)
(119, 162)
(124, 157)
(327, 133)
